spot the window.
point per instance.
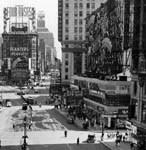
(66, 70)
(80, 37)
(66, 21)
(67, 5)
(81, 5)
(80, 29)
(75, 29)
(66, 77)
(80, 22)
(75, 5)
(66, 55)
(66, 46)
(75, 37)
(66, 29)
(66, 14)
(75, 13)
(66, 63)
(93, 5)
(88, 13)
(75, 22)
(66, 37)
(88, 5)
(80, 13)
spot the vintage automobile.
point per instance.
(70, 119)
(85, 125)
(24, 106)
(91, 138)
(8, 103)
(30, 100)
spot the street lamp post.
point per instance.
(25, 145)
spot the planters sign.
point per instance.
(19, 62)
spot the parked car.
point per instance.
(30, 100)
(36, 91)
(24, 106)
(91, 138)
(21, 93)
(8, 103)
(70, 119)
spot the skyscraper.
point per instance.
(46, 39)
(71, 34)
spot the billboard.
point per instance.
(19, 62)
(20, 11)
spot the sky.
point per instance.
(50, 7)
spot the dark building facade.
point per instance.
(19, 55)
(104, 39)
(137, 110)
(20, 45)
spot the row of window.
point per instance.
(80, 37)
(80, 5)
(76, 14)
(75, 29)
(76, 21)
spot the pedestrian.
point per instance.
(13, 126)
(78, 141)
(102, 136)
(40, 105)
(65, 133)
(131, 145)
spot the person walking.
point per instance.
(14, 126)
(65, 133)
(78, 141)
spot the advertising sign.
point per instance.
(19, 11)
(19, 62)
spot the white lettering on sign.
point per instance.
(19, 49)
(19, 11)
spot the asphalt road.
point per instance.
(55, 114)
(61, 147)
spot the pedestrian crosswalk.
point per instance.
(47, 124)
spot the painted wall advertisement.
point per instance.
(19, 62)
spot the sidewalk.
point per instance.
(110, 144)
(77, 121)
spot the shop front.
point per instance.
(140, 139)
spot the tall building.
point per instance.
(20, 44)
(107, 40)
(71, 34)
(137, 110)
(104, 95)
(46, 39)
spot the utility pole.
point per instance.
(25, 145)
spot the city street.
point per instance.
(72, 75)
(48, 126)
